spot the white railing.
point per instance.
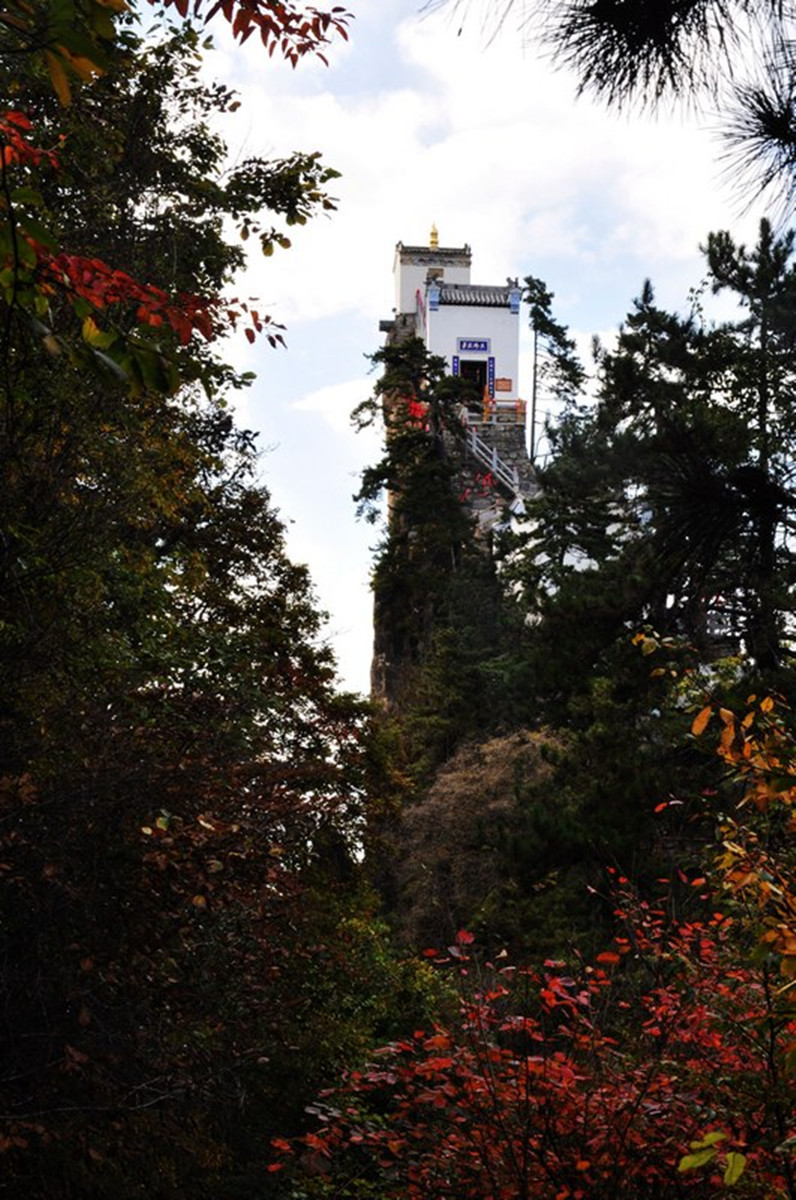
(488, 455)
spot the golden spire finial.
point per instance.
(433, 240)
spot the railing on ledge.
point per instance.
(500, 412)
(488, 455)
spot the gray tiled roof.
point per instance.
(433, 254)
(474, 293)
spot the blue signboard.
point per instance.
(456, 364)
(472, 345)
(490, 375)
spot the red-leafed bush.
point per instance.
(659, 1071)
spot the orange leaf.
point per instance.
(700, 720)
(440, 1041)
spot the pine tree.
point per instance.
(667, 501)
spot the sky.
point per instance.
(431, 120)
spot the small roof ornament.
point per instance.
(433, 239)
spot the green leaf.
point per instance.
(692, 1161)
(34, 229)
(26, 195)
(154, 370)
(81, 307)
(735, 1167)
(26, 254)
(710, 1139)
(114, 367)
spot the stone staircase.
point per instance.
(500, 448)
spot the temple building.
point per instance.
(476, 329)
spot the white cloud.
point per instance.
(334, 404)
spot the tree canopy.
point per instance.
(668, 501)
(182, 786)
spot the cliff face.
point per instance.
(451, 864)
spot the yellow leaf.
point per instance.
(710, 1139)
(84, 67)
(766, 704)
(58, 78)
(700, 721)
(699, 1159)
(734, 1168)
(90, 329)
